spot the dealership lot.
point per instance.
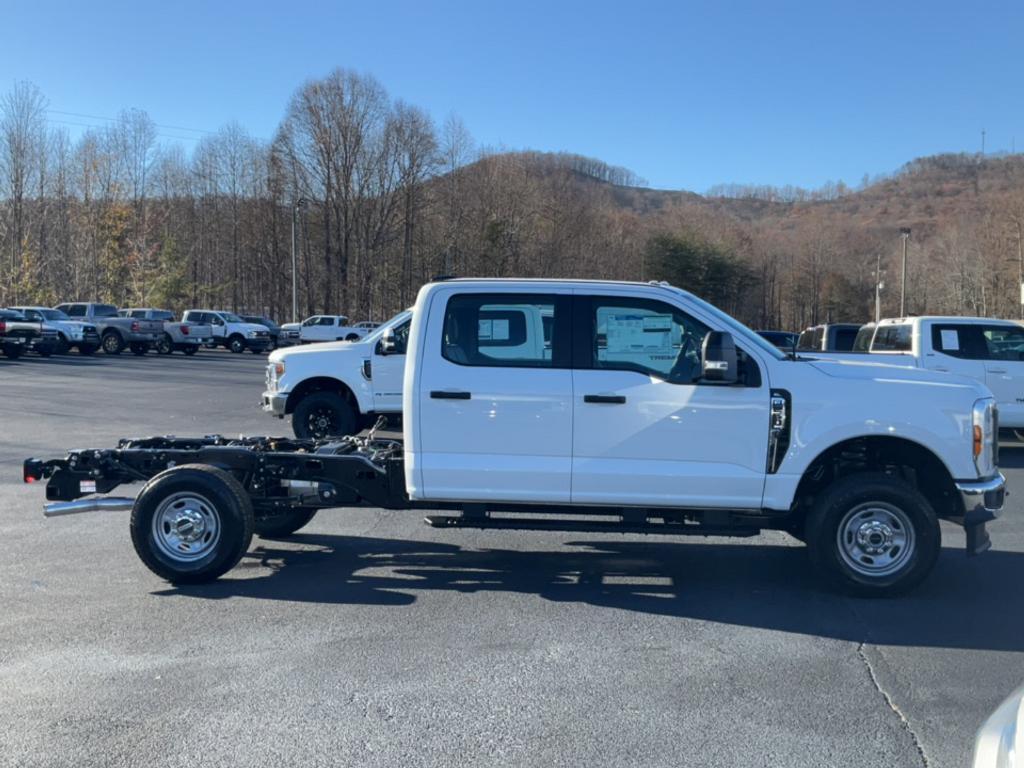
(370, 639)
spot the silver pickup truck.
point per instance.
(178, 336)
(116, 332)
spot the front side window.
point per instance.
(326, 321)
(1004, 342)
(648, 337)
(401, 336)
(503, 330)
(892, 338)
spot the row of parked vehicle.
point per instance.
(88, 326)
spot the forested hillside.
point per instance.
(389, 199)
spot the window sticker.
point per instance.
(950, 340)
(493, 330)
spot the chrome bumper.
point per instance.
(274, 403)
(982, 499)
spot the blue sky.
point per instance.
(685, 94)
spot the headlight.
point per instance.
(251, 334)
(984, 435)
(996, 743)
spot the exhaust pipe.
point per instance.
(105, 504)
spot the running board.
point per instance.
(587, 526)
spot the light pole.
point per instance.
(905, 234)
(295, 272)
(878, 286)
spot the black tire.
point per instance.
(62, 344)
(236, 344)
(324, 414)
(139, 348)
(164, 345)
(190, 349)
(352, 337)
(867, 523)
(112, 343)
(13, 352)
(177, 502)
(285, 524)
(44, 351)
(87, 349)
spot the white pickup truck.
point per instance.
(319, 328)
(335, 389)
(231, 331)
(635, 408)
(986, 349)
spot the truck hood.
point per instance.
(290, 326)
(248, 327)
(895, 374)
(360, 348)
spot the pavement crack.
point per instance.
(862, 655)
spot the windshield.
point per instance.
(387, 324)
(736, 327)
(231, 317)
(53, 314)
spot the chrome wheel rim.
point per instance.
(186, 527)
(876, 539)
(110, 343)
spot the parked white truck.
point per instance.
(336, 389)
(649, 410)
(320, 328)
(231, 331)
(982, 348)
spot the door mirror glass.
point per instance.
(718, 356)
(388, 343)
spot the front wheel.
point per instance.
(324, 414)
(236, 344)
(192, 523)
(164, 345)
(62, 344)
(87, 349)
(284, 524)
(873, 535)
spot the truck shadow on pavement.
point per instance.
(974, 603)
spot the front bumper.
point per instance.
(274, 403)
(983, 502)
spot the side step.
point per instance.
(587, 526)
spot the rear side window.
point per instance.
(505, 330)
(1003, 342)
(892, 338)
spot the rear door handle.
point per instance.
(610, 399)
(442, 394)
(997, 370)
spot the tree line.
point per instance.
(379, 199)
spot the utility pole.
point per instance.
(301, 202)
(1020, 268)
(983, 141)
(905, 234)
(878, 286)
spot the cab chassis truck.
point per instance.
(641, 406)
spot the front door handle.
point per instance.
(997, 370)
(442, 394)
(942, 368)
(610, 399)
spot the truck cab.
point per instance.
(830, 337)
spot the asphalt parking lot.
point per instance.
(369, 639)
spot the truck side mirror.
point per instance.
(718, 356)
(388, 345)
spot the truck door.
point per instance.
(495, 411)
(1004, 370)
(955, 348)
(646, 430)
(388, 370)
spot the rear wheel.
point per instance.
(112, 343)
(192, 523)
(139, 348)
(285, 524)
(873, 535)
(13, 351)
(191, 349)
(164, 345)
(324, 414)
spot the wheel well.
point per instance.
(895, 456)
(320, 384)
